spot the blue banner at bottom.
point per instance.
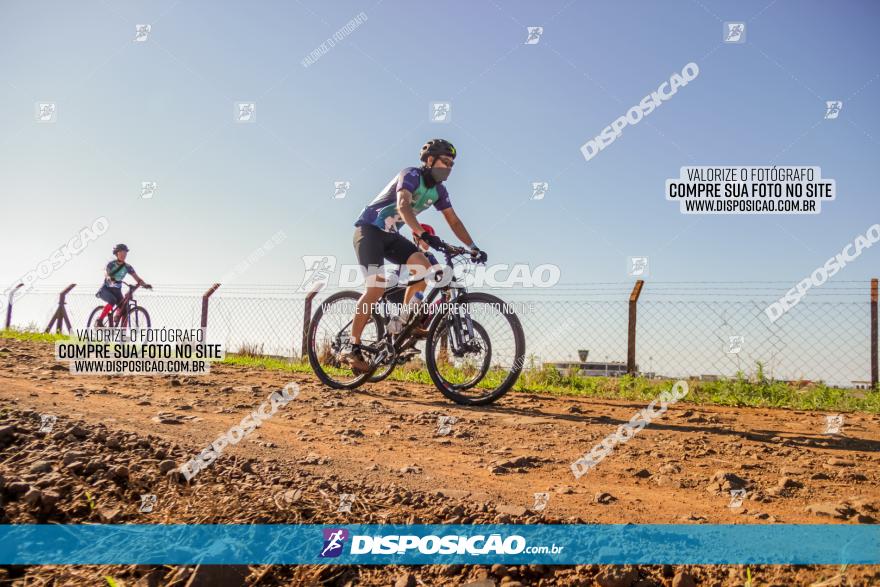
(439, 544)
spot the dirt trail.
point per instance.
(679, 469)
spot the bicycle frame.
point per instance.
(462, 326)
(126, 305)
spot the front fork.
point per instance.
(462, 329)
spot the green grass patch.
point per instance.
(752, 391)
(21, 334)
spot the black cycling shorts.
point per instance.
(111, 295)
(373, 246)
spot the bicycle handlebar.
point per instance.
(452, 251)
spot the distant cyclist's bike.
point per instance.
(131, 316)
(474, 347)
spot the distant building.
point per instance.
(590, 369)
(861, 384)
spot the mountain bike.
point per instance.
(131, 316)
(474, 346)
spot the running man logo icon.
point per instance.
(638, 266)
(334, 539)
(735, 344)
(148, 189)
(535, 33)
(832, 109)
(444, 424)
(148, 502)
(245, 112)
(833, 423)
(46, 112)
(734, 32)
(541, 500)
(441, 112)
(341, 188)
(142, 32)
(47, 422)
(318, 270)
(736, 498)
(539, 189)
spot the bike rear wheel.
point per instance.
(496, 337)
(93, 318)
(329, 332)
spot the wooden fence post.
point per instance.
(205, 297)
(874, 366)
(631, 335)
(60, 318)
(9, 305)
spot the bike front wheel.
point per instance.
(475, 351)
(137, 318)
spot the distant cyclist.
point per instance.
(377, 237)
(114, 273)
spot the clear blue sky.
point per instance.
(162, 110)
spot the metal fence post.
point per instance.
(9, 305)
(307, 318)
(205, 297)
(631, 335)
(874, 366)
(60, 319)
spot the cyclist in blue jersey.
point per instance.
(114, 273)
(377, 236)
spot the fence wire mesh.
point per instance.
(705, 330)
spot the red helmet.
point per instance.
(429, 229)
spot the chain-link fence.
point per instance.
(704, 330)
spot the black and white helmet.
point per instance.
(437, 147)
